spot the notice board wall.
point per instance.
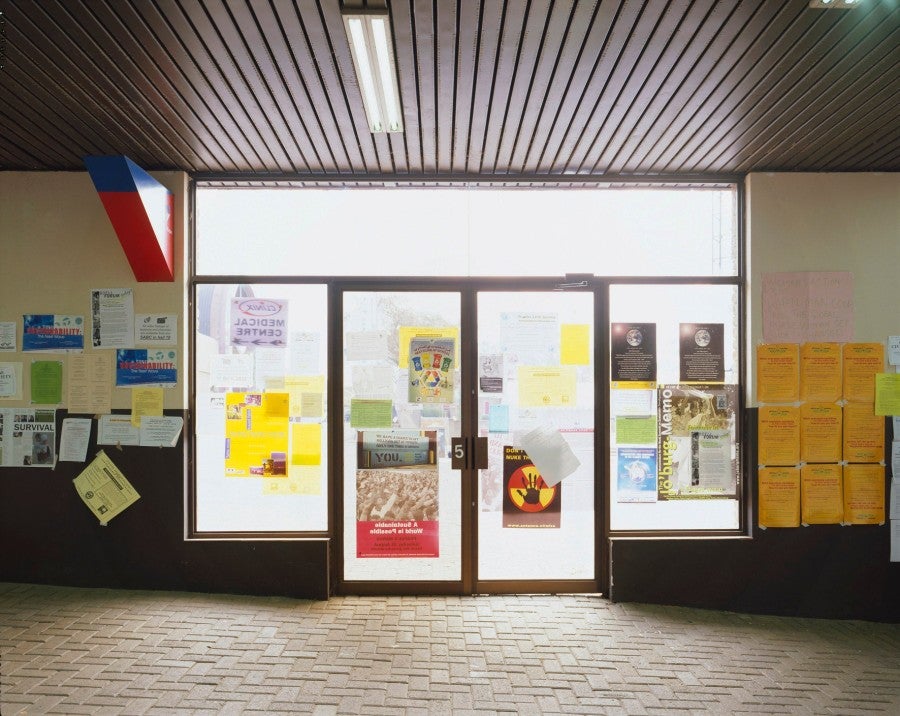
(56, 244)
(795, 222)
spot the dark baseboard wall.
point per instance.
(49, 536)
(826, 571)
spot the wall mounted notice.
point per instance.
(777, 373)
(779, 497)
(11, 381)
(141, 366)
(702, 352)
(528, 501)
(89, 384)
(153, 329)
(7, 336)
(821, 494)
(104, 489)
(633, 352)
(27, 437)
(807, 306)
(112, 318)
(46, 382)
(52, 332)
(820, 372)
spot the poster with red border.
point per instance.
(397, 494)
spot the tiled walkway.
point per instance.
(91, 651)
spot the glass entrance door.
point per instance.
(535, 365)
(514, 370)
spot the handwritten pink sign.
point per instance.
(808, 306)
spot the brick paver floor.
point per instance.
(97, 651)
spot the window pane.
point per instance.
(467, 232)
(260, 428)
(674, 408)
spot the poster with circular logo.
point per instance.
(528, 501)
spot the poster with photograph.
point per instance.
(696, 446)
(256, 434)
(431, 365)
(27, 437)
(112, 317)
(702, 352)
(490, 373)
(397, 494)
(142, 366)
(636, 475)
(633, 352)
(528, 501)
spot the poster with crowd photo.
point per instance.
(27, 437)
(697, 454)
(702, 352)
(633, 352)
(528, 501)
(431, 366)
(397, 494)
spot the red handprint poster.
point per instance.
(528, 501)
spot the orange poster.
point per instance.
(864, 494)
(820, 372)
(821, 501)
(863, 433)
(779, 435)
(778, 373)
(820, 432)
(861, 362)
(779, 497)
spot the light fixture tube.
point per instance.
(369, 36)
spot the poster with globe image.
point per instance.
(633, 352)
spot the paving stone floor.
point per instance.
(96, 651)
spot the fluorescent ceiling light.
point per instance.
(369, 35)
(833, 4)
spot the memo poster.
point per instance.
(397, 494)
(696, 447)
(528, 501)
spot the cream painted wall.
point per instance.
(57, 243)
(826, 222)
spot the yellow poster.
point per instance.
(887, 394)
(820, 372)
(146, 401)
(864, 494)
(306, 444)
(863, 433)
(778, 373)
(861, 362)
(301, 480)
(256, 434)
(779, 497)
(547, 386)
(821, 498)
(407, 333)
(575, 344)
(306, 393)
(820, 432)
(779, 435)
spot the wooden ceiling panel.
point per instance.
(525, 89)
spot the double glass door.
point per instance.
(468, 441)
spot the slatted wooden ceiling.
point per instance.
(516, 87)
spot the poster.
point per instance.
(431, 364)
(89, 383)
(633, 352)
(779, 435)
(256, 434)
(864, 494)
(696, 444)
(547, 386)
(861, 362)
(490, 373)
(528, 501)
(153, 329)
(820, 372)
(27, 437)
(397, 494)
(636, 474)
(144, 366)
(11, 381)
(112, 318)
(46, 382)
(259, 322)
(52, 332)
(807, 306)
(820, 432)
(821, 501)
(702, 352)
(887, 394)
(778, 373)
(863, 433)
(104, 489)
(575, 344)
(7, 336)
(779, 497)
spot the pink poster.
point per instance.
(808, 306)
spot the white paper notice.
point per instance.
(112, 314)
(373, 381)
(366, 345)
(160, 431)
(895, 540)
(304, 350)
(11, 381)
(155, 329)
(90, 383)
(73, 444)
(633, 402)
(231, 371)
(895, 457)
(895, 499)
(117, 430)
(7, 336)
(550, 454)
